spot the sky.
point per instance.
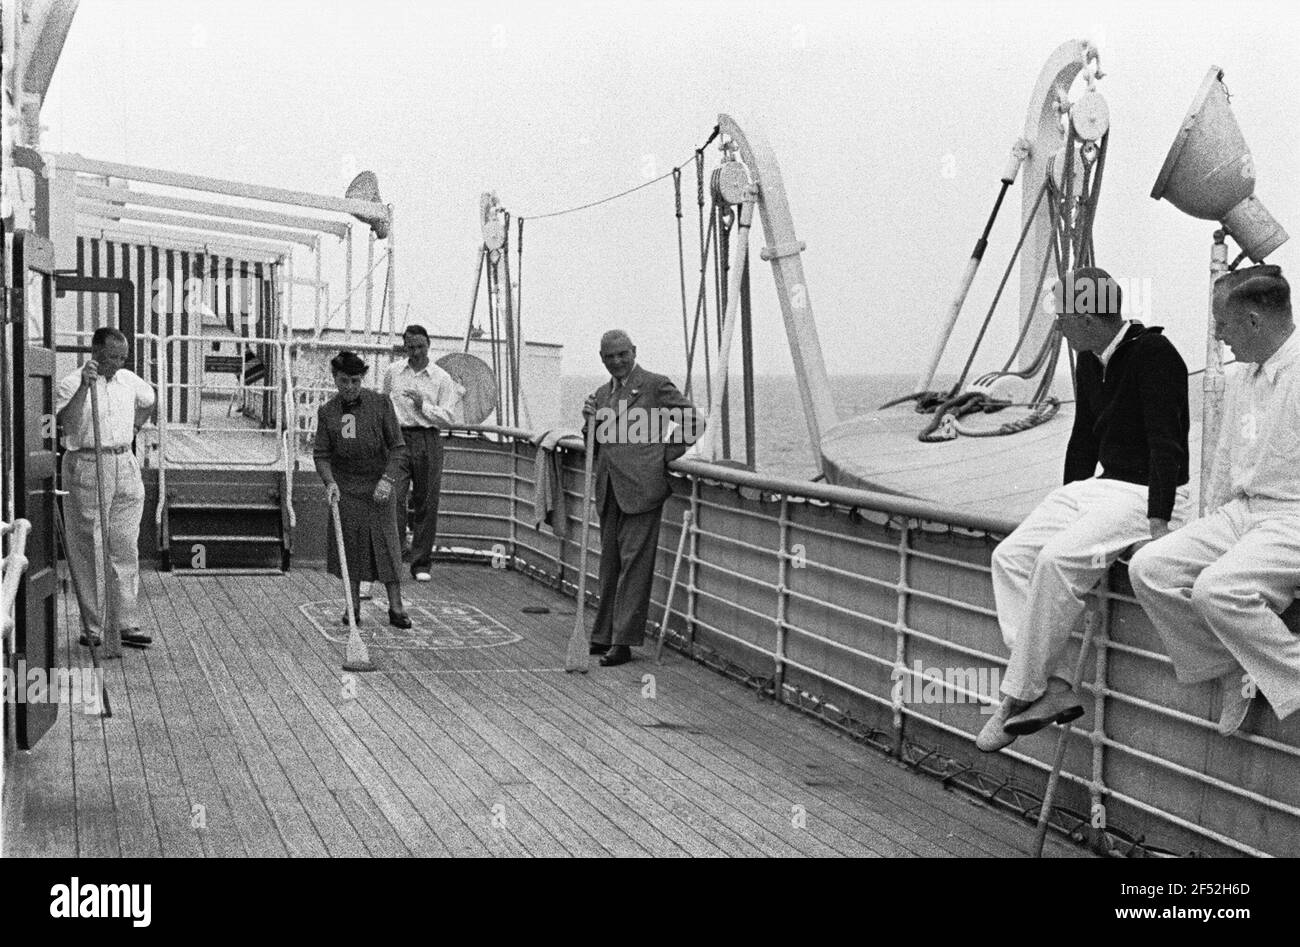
(892, 123)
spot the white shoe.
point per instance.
(993, 737)
(1234, 705)
(365, 591)
(422, 575)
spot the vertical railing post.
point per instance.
(347, 296)
(561, 538)
(161, 416)
(900, 635)
(782, 599)
(370, 281)
(693, 573)
(1101, 646)
(514, 501)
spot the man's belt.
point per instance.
(409, 430)
(103, 450)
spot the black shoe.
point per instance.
(598, 648)
(134, 638)
(616, 655)
(399, 619)
(85, 640)
(343, 619)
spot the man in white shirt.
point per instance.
(424, 397)
(1214, 589)
(125, 402)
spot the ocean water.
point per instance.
(781, 434)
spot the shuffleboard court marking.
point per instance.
(436, 626)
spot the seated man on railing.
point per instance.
(1215, 588)
(1131, 416)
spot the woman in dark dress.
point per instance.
(358, 453)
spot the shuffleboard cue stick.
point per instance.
(105, 706)
(576, 658)
(672, 584)
(356, 657)
(1044, 815)
(112, 634)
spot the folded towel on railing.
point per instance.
(548, 479)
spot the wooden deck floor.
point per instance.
(234, 736)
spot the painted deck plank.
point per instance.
(192, 717)
(506, 739)
(239, 658)
(240, 707)
(363, 739)
(556, 699)
(504, 689)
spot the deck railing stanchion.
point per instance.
(782, 599)
(347, 297)
(393, 311)
(514, 502)
(693, 572)
(370, 280)
(900, 633)
(1097, 789)
(160, 422)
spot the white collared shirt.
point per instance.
(1258, 455)
(440, 392)
(118, 401)
(1104, 356)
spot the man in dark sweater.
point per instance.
(1131, 417)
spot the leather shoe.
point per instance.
(598, 649)
(1059, 707)
(617, 654)
(343, 619)
(399, 619)
(85, 640)
(993, 737)
(134, 638)
(1233, 704)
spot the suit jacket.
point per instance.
(638, 433)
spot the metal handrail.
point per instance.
(166, 386)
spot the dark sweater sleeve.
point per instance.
(1081, 454)
(1163, 389)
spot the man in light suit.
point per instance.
(642, 424)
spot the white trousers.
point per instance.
(1043, 571)
(124, 498)
(1214, 590)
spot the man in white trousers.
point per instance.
(125, 402)
(1131, 418)
(1214, 588)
